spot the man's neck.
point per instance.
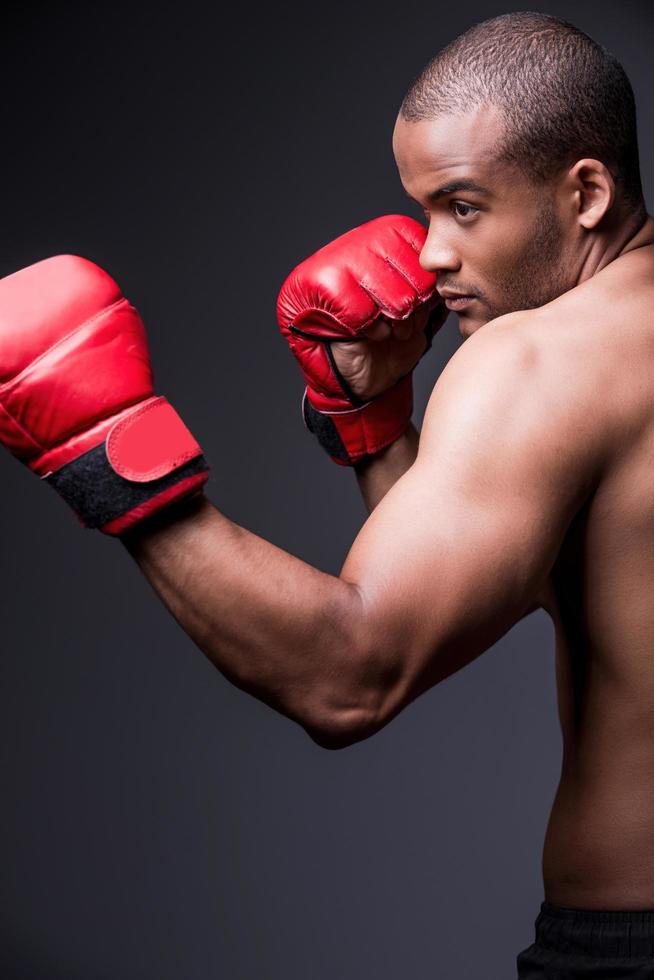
(617, 242)
(644, 235)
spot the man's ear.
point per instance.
(593, 190)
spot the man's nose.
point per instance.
(437, 254)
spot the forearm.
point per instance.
(275, 626)
(377, 474)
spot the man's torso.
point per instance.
(599, 847)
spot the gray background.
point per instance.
(158, 823)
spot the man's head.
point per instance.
(519, 142)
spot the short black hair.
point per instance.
(563, 96)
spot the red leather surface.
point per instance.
(338, 292)
(370, 429)
(149, 442)
(75, 375)
(73, 352)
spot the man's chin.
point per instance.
(469, 324)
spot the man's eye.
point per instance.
(467, 209)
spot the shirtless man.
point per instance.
(529, 487)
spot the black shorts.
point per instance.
(572, 944)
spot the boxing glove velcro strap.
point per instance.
(350, 435)
(322, 427)
(148, 459)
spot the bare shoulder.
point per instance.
(519, 372)
(512, 398)
(574, 376)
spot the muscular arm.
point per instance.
(448, 561)
(269, 653)
(273, 625)
(302, 628)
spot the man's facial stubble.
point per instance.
(534, 275)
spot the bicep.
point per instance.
(456, 552)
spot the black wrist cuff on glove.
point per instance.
(99, 495)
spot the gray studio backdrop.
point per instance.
(157, 823)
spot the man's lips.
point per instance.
(455, 301)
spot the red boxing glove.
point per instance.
(335, 295)
(76, 399)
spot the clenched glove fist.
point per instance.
(358, 315)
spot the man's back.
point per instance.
(599, 848)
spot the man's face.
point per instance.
(493, 235)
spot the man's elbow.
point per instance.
(365, 676)
(363, 710)
(342, 732)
